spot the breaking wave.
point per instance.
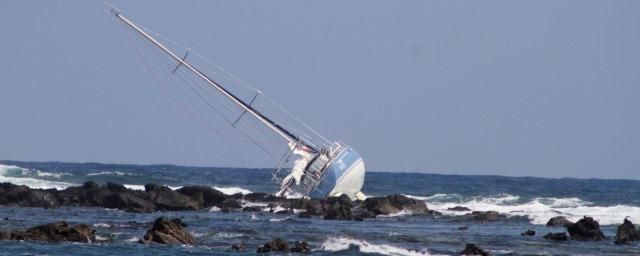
(538, 210)
(336, 244)
(31, 178)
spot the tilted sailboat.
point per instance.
(318, 170)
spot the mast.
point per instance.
(290, 137)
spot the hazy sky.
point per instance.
(521, 88)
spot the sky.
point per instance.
(517, 88)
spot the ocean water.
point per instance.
(529, 203)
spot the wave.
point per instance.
(336, 244)
(22, 176)
(537, 210)
(116, 173)
(232, 190)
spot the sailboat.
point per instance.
(307, 168)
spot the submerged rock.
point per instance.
(529, 232)
(556, 236)
(473, 249)
(275, 245)
(171, 232)
(281, 245)
(395, 203)
(237, 247)
(459, 209)
(627, 233)
(559, 221)
(586, 229)
(485, 216)
(54, 232)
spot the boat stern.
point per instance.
(344, 175)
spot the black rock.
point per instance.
(305, 215)
(300, 246)
(169, 232)
(54, 232)
(459, 208)
(252, 209)
(237, 247)
(485, 216)
(394, 204)
(473, 249)
(275, 245)
(586, 229)
(207, 196)
(627, 233)
(529, 233)
(556, 236)
(463, 228)
(559, 221)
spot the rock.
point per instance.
(485, 216)
(207, 196)
(164, 231)
(275, 245)
(337, 208)
(300, 246)
(113, 187)
(627, 233)
(285, 211)
(463, 228)
(556, 236)
(230, 203)
(559, 221)
(586, 229)
(305, 215)
(473, 249)
(394, 204)
(252, 209)
(167, 199)
(529, 232)
(459, 209)
(128, 201)
(237, 247)
(54, 232)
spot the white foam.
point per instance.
(537, 210)
(141, 187)
(117, 173)
(101, 238)
(16, 175)
(278, 219)
(101, 225)
(232, 190)
(228, 235)
(214, 209)
(403, 212)
(335, 244)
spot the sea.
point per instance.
(528, 202)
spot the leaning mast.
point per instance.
(290, 137)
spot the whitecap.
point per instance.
(537, 210)
(335, 244)
(232, 190)
(101, 225)
(16, 175)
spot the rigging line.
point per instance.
(174, 99)
(239, 130)
(182, 77)
(227, 119)
(240, 81)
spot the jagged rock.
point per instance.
(167, 199)
(627, 233)
(300, 246)
(275, 245)
(529, 232)
(305, 214)
(285, 211)
(230, 203)
(394, 204)
(55, 232)
(556, 236)
(485, 216)
(459, 209)
(237, 247)
(252, 209)
(129, 201)
(473, 249)
(586, 229)
(559, 221)
(207, 196)
(171, 232)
